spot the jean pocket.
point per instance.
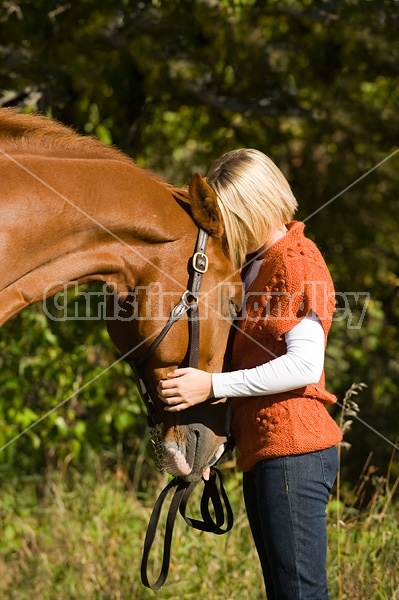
(329, 465)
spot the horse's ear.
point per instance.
(204, 206)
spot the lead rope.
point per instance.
(221, 506)
(183, 491)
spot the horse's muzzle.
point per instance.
(197, 450)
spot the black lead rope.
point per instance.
(179, 501)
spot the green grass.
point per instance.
(364, 544)
(77, 536)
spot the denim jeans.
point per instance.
(286, 502)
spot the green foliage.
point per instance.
(64, 392)
(364, 545)
(175, 84)
(81, 536)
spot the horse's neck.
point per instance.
(71, 220)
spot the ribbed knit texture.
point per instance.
(292, 281)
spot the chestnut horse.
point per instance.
(75, 211)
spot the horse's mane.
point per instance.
(39, 135)
(33, 133)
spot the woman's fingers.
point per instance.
(166, 384)
(168, 392)
(175, 407)
(165, 394)
(186, 387)
(172, 400)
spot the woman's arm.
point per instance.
(300, 366)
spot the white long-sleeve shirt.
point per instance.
(301, 365)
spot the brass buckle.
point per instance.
(198, 256)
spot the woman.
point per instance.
(285, 437)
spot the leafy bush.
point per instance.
(64, 391)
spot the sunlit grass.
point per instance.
(83, 538)
(77, 536)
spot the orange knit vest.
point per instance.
(292, 281)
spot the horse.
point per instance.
(75, 211)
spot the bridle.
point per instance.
(188, 303)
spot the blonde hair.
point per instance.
(254, 198)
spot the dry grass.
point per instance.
(74, 536)
(84, 540)
(78, 537)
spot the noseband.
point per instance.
(188, 303)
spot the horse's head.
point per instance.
(191, 440)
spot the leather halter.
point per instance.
(188, 303)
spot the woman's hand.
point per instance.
(184, 388)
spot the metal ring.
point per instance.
(186, 301)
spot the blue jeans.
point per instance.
(286, 502)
